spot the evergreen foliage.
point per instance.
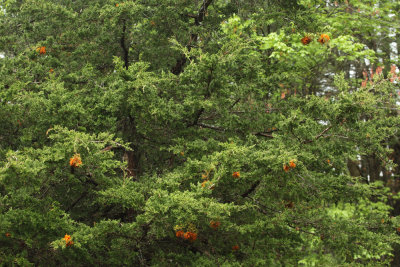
(194, 133)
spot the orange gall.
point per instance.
(285, 167)
(214, 224)
(324, 38)
(190, 236)
(75, 161)
(306, 40)
(41, 50)
(292, 164)
(180, 234)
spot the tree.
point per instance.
(192, 133)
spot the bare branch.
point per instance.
(323, 132)
(211, 127)
(264, 134)
(318, 136)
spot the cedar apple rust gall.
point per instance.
(67, 238)
(214, 224)
(68, 241)
(204, 183)
(41, 50)
(292, 164)
(180, 234)
(190, 236)
(306, 40)
(324, 38)
(75, 161)
(285, 167)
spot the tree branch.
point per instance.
(77, 200)
(203, 11)
(323, 132)
(211, 127)
(251, 189)
(264, 134)
(178, 68)
(318, 136)
(208, 94)
(125, 50)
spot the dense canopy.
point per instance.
(199, 133)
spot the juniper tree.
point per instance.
(191, 133)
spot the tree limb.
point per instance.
(318, 136)
(178, 68)
(125, 50)
(251, 189)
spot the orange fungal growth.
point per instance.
(190, 236)
(214, 224)
(8, 234)
(203, 184)
(51, 70)
(306, 40)
(324, 38)
(285, 167)
(292, 164)
(180, 234)
(117, 5)
(193, 237)
(236, 175)
(68, 241)
(235, 248)
(41, 50)
(186, 235)
(67, 238)
(75, 161)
